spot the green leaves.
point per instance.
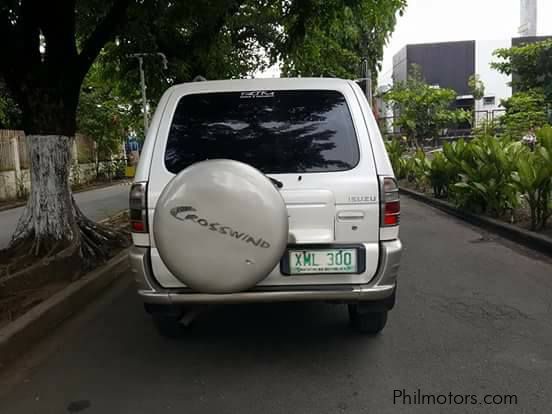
(395, 151)
(487, 175)
(532, 64)
(441, 174)
(533, 178)
(524, 110)
(10, 114)
(104, 115)
(494, 172)
(423, 109)
(477, 87)
(530, 106)
(485, 166)
(330, 38)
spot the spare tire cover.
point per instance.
(220, 226)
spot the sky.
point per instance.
(427, 21)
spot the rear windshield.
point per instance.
(274, 131)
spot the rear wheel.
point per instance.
(169, 326)
(168, 319)
(367, 322)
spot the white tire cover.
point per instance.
(220, 226)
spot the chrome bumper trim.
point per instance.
(380, 287)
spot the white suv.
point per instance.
(265, 190)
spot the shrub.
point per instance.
(486, 175)
(485, 169)
(422, 109)
(441, 174)
(524, 110)
(419, 167)
(533, 178)
(395, 150)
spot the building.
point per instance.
(450, 65)
(527, 18)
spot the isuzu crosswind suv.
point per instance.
(265, 190)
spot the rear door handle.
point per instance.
(350, 215)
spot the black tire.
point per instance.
(169, 326)
(371, 323)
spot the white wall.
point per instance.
(496, 84)
(9, 184)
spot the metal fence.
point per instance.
(483, 116)
(479, 118)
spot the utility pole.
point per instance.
(140, 57)
(366, 73)
(368, 77)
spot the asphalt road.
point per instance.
(474, 316)
(96, 204)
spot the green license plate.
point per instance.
(323, 261)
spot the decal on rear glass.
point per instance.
(257, 94)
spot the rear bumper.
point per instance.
(381, 287)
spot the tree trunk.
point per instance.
(46, 85)
(49, 212)
(52, 222)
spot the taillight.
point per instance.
(138, 210)
(390, 204)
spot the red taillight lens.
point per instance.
(391, 206)
(392, 213)
(138, 212)
(138, 226)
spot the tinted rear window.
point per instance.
(276, 132)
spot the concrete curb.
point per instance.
(103, 185)
(20, 335)
(527, 238)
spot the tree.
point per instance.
(105, 116)
(47, 52)
(10, 114)
(477, 87)
(530, 66)
(335, 36)
(228, 39)
(216, 39)
(524, 111)
(44, 66)
(421, 109)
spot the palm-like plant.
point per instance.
(533, 178)
(441, 174)
(395, 150)
(486, 177)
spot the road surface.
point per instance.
(474, 317)
(96, 204)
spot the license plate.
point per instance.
(323, 261)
